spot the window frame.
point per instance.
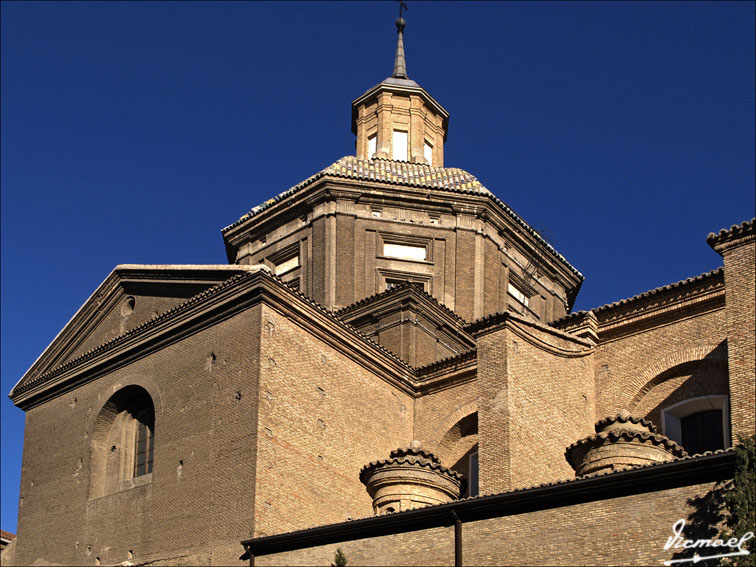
(515, 291)
(671, 416)
(428, 152)
(144, 422)
(279, 259)
(402, 143)
(390, 238)
(384, 275)
(114, 442)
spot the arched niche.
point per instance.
(459, 449)
(122, 442)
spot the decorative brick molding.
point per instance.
(737, 234)
(657, 371)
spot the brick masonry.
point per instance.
(267, 406)
(634, 530)
(204, 390)
(737, 248)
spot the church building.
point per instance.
(388, 365)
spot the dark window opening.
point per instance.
(702, 431)
(467, 465)
(392, 283)
(144, 443)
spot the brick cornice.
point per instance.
(736, 236)
(655, 307)
(204, 310)
(522, 326)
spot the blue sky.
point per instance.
(133, 132)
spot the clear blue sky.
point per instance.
(133, 132)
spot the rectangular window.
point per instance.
(405, 251)
(392, 283)
(428, 153)
(518, 295)
(287, 265)
(399, 145)
(371, 146)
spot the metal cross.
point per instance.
(402, 4)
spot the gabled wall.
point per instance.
(204, 389)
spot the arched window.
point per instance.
(145, 426)
(699, 424)
(464, 436)
(123, 442)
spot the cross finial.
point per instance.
(402, 5)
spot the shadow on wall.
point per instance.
(685, 390)
(705, 522)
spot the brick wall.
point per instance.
(204, 392)
(436, 415)
(628, 530)
(536, 397)
(740, 284)
(423, 547)
(627, 365)
(322, 417)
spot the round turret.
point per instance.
(410, 478)
(621, 442)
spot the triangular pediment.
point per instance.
(130, 296)
(410, 323)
